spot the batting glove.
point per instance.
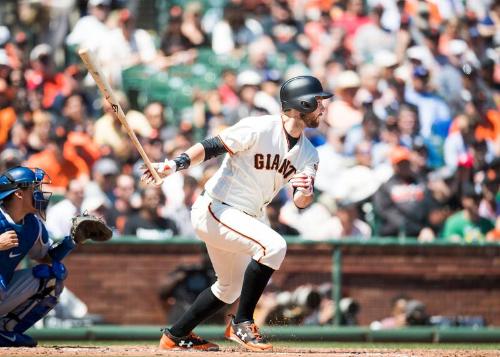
(303, 183)
(163, 169)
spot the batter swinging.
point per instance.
(265, 153)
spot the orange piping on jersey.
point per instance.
(234, 230)
(227, 148)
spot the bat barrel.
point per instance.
(107, 92)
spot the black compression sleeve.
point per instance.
(213, 147)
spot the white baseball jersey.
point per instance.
(259, 163)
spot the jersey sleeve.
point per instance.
(42, 243)
(240, 136)
(311, 165)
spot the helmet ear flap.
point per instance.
(308, 105)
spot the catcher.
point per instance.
(27, 295)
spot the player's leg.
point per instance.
(28, 299)
(233, 230)
(242, 328)
(229, 268)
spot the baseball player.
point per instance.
(264, 154)
(26, 295)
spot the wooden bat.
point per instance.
(107, 92)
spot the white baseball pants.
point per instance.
(233, 238)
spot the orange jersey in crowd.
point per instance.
(491, 132)
(60, 173)
(7, 120)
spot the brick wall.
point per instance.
(120, 282)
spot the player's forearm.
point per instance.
(196, 153)
(301, 200)
(200, 152)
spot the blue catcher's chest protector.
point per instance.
(27, 234)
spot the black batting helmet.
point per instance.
(300, 93)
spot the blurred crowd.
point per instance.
(409, 147)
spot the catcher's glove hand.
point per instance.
(86, 226)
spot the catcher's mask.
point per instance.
(21, 177)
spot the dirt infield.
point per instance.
(143, 351)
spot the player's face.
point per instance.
(27, 198)
(312, 119)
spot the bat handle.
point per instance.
(158, 179)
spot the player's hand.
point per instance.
(8, 240)
(163, 169)
(303, 183)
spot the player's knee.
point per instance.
(279, 249)
(275, 254)
(227, 293)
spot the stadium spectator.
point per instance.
(125, 200)
(248, 83)
(490, 186)
(110, 135)
(180, 214)
(402, 202)
(467, 225)
(273, 215)
(405, 312)
(157, 119)
(59, 215)
(368, 131)
(228, 89)
(191, 26)
(19, 138)
(148, 223)
(397, 318)
(104, 174)
(347, 223)
(100, 207)
(39, 136)
(352, 19)
(459, 146)
(234, 30)
(372, 37)
(10, 158)
(486, 120)
(346, 87)
(434, 114)
(286, 32)
(7, 111)
(126, 46)
(173, 39)
(332, 161)
(60, 161)
(90, 30)
(43, 76)
(176, 43)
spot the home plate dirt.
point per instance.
(143, 351)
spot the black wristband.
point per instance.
(182, 161)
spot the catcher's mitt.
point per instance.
(86, 226)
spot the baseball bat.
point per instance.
(107, 92)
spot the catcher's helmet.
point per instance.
(23, 177)
(300, 93)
